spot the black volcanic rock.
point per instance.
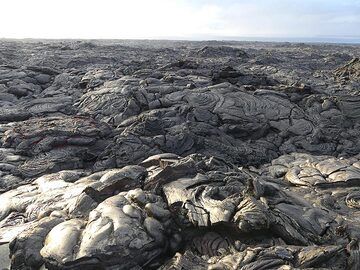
(179, 155)
(349, 71)
(222, 51)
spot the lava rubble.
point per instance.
(177, 155)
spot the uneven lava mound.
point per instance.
(221, 51)
(179, 155)
(349, 71)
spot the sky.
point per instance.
(179, 19)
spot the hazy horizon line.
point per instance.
(340, 39)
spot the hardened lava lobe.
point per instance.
(177, 155)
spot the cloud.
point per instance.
(177, 18)
(106, 18)
(294, 18)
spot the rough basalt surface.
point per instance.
(179, 155)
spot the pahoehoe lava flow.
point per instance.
(177, 155)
